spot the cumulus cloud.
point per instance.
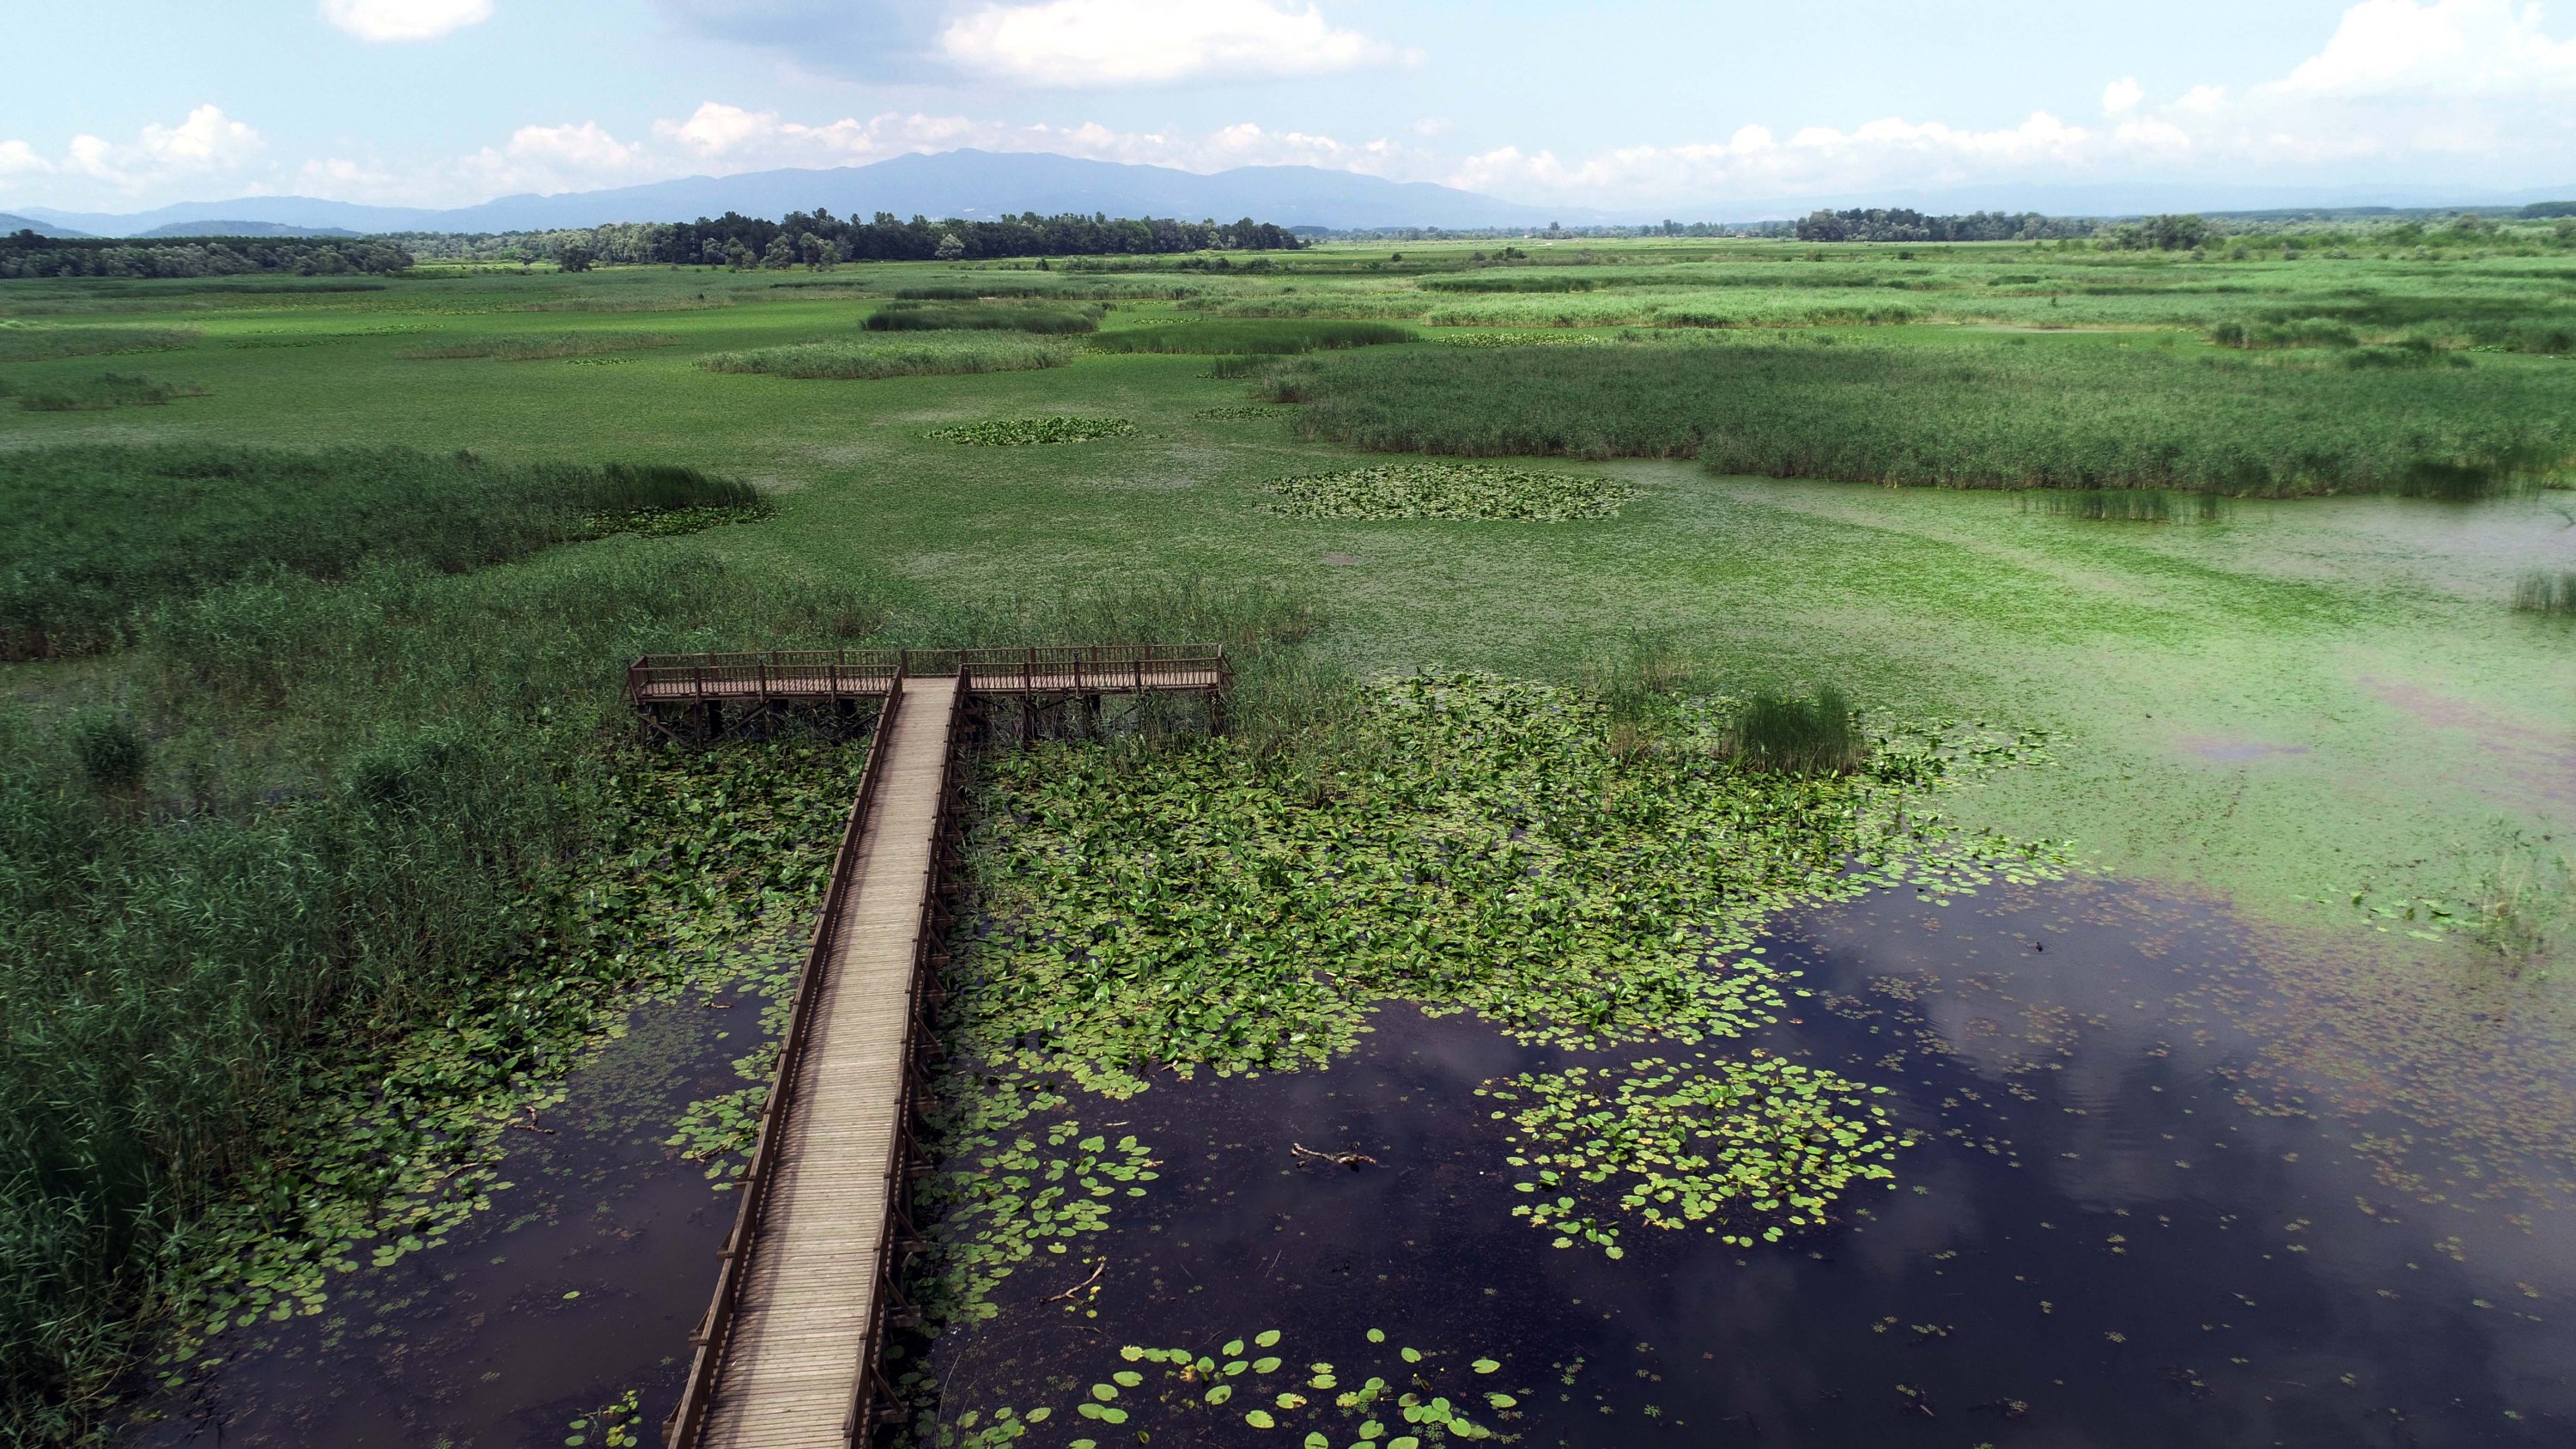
(207, 143)
(383, 20)
(576, 157)
(2400, 84)
(1050, 43)
(1131, 42)
(2450, 48)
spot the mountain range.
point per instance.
(977, 184)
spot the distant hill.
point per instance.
(951, 184)
(978, 184)
(12, 225)
(242, 228)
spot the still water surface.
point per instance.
(2127, 1221)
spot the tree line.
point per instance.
(1897, 224)
(820, 239)
(27, 254)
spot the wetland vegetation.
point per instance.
(1703, 802)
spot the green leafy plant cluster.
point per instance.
(1250, 1382)
(1015, 1187)
(911, 354)
(1450, 490)
(1242, 412)
(1207, 905)
(1745, 1148)
(1022, 432)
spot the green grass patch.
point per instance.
(1022, 432)
(2073, 414)
(1251, 337)
(107, 390)
(984, 316)
(1449, 490)
(539, 349)
(909, 355)
(100, 536)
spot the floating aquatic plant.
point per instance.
(1449, 490)
(1744, 1148)
(1022, 432)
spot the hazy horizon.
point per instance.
(447, 103)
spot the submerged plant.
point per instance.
(1741, 1148)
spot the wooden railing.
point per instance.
(807, 674)
(734, 1262)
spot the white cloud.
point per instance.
(2453, 48)
(733, 138)
(17, 158)
(382, 20)
(2122, 95)
(207, 143)
(554, 159)
(1145, 42)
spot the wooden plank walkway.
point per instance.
(790, 1365)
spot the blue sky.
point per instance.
(1650, 104)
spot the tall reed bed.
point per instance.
(915, 354)
(101, 534)
(2071, 415)
(329, 813)
(2546, 593)
(1052, 320)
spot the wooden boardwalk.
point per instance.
(788, 1357)
(790, 1354)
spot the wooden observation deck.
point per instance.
(789, 1355)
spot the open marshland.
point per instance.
(1685, 941)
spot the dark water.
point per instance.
(2112, 1234)
(2120, 1228)
(583, 1281)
